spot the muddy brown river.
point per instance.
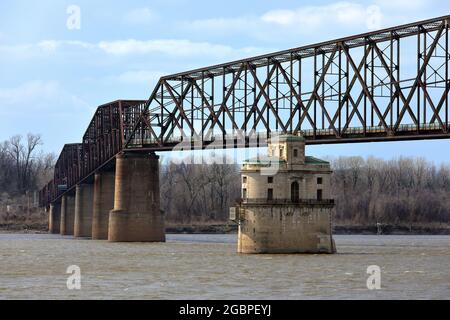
(207, 267)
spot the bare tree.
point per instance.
(23, 158)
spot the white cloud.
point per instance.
(310, 21)
(140, 16)
(222, 24)
(182, 48)
(53, 45)
(48, 45)
(283, 17)
(138, 77)
(39, 95)
(169, 47)
(285, 25)
(312, 17)
(42, 48)
(404, 4)
(28, 91)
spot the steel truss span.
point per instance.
(391, 84)
(387, 84)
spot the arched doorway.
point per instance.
(295, 193)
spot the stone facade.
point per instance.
(286, 204)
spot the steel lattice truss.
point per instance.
(391, 84)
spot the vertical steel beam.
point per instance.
(338, 110)
(365, 96)
(314, 96)
(291, 98)
(419, 77)
(424, 83)
(447, 84)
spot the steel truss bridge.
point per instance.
(387, 85)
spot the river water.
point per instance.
(207, 267)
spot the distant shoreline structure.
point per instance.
(217, 228)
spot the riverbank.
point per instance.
(431, 229)
(230, 228)
(36, 228)
(422, 229)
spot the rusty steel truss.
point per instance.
(391, 84)
(110, 126)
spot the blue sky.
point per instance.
(52, 78)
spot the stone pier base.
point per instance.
(67, 215)
(284, 228)
(136, 216)
(103, 204)
(83, 210)
(54, 218)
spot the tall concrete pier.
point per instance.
(67, 214)
(136, 216)
(54, 218)
(103, 204)
(83, 210)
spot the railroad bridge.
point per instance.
(388, 85)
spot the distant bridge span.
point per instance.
(387, 85)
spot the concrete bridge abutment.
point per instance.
(136, 216)
(54, 218)
(103, 204)
(84, 199)
(67, 215)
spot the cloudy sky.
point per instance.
(52, 75)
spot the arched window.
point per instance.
(295, 192)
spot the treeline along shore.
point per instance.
(399, 196)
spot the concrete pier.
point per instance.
(54, 218)
(67, 215)
(83, 210)
(136, 216)
(103, 204)
(285, 228)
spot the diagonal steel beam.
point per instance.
(208, 105)
(180, 110)
(316, 88)
(255, 103)
(354, 110)
(299, 104)
(435, 111)
(147, 105)
(223, 105)
(395, 82)
(267, 98)
(350, 87)
(365, 88)
(419, 76)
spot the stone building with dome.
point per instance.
(286, 204)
